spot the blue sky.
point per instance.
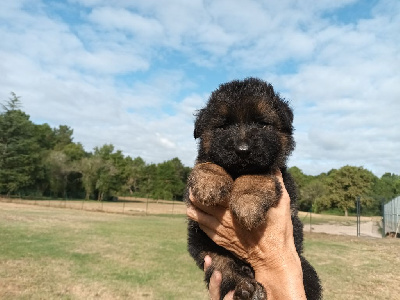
(132, 73)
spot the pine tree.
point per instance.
(19, 152)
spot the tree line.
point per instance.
(337, 190)
(39, 161)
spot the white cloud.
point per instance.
(121, 19)
(133, 73)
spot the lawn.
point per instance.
(54, 253)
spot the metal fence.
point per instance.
(391, 216)
(125, 205)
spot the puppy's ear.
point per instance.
(286, 114)
(199, 123)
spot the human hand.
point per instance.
(215, 282)
(261, 247)
(269, 249)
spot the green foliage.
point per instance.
(170, 180)
(45, 136)
(89, 168)
(13, 103)
(74, 152)
(38, 160)
(347, 184)
(62, 136)
(43, 161)
(57, 167)
(314, 195)
(19, 152)
(133, 173)
(302, 180)
(337, 190)
(387, 187)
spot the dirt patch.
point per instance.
(342, 225)
(369, 229)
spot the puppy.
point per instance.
(245, 135)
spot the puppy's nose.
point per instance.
(242, 149)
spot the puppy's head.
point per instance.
(245, 128)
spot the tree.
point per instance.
(63, 136)
(347, 183)
(58, 170)
(301, 180)
(45, 161)
(101, 172)
(387, 187)
(133, 174)
(109, 179)
(169, 182)
(168, 179)
(12, 103)
(89, 168)
(45, 136)
(313, 195)
(299, 177)
(105, 180)
(19, 152)
(149, 183)
(74, 152)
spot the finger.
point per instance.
(201, 217)
(285, 199)
(210, 233)
(281, 212)
(211, 226)
(207, 262)
(279, 176)
(278, 173)
(215, 285)
(229, 296)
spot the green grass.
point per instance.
(355, 268)
(48, 253)
(51, 253)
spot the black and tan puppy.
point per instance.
(245, 135)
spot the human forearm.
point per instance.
(284, 282)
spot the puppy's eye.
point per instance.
(223, 126)
(266, 125)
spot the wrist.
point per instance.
(283, 279)
(283, 284)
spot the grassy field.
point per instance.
(52, 253)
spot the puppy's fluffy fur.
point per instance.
(245, 135)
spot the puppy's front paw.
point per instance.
(248, 210)
(210, 184)
(252, 196)
(249, 290)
